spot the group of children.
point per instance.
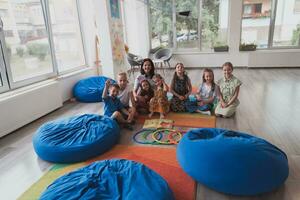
(149, 94)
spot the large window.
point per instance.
(27, 41)
(194, 24)
(187, 24)
(271, 23)
(214, 23)
(256, 22)
(287, 25)
(161, 23)
(27, 51)
(66, 34)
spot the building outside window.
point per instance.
(28, 42)
(267, 29)
(28, 55)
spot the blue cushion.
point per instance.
(76, 138)
(110, 179)
(90, 89)
(232, 162)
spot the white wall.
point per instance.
(137, 41)
(103, 30)
(110, 31)
(136, 26)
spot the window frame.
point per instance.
(5, 86)
(270, 46)
(175, 46)
(174, 39)
(16, 84)
(8, 82)
(85, 65)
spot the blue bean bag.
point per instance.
(90, 89)
(76, 138)
(110, 179)
(232, 162)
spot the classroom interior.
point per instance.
(49, 46)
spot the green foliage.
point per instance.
(247, 47)
(210, 22)
(162, 19)
(20, 51)
(38, 49)
(296, 35)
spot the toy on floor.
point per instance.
(157, 136)
(158, 123)
(173, 136)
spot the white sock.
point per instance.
(205, 112)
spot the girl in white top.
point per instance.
(206, 94)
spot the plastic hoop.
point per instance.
(170, 136)
(145, 132)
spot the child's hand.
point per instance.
(181, 98)
(223, 104)
(107, 83)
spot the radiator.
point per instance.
(22, 106)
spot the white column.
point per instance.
(235, 21)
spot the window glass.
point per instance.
(256, 22)
(287, 24)
(214, 21)
(161, 23)
(187, 24)
(27, 44)
(66, 32)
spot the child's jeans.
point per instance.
(193, 107)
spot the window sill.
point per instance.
(73, 73)
(197, 52)
(276, 50)
(21, 90)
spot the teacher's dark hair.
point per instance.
(151, 73)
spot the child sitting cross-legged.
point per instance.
(143, 97)
(112, 105)
(205, 95)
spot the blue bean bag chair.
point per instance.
(232, 162)
(110, 179)
(90, 89)
(76, 138)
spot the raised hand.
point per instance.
(107, 83)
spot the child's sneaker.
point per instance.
(205, 112)
(128, 126)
